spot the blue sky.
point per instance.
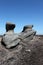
(21, 12)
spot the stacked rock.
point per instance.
(10, 38)
(28, 33)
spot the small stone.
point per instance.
(28, 50)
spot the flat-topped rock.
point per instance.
(10, 26)
(27, 27)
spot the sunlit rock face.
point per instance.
(28, 33)
(11, 39)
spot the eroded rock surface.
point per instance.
(30, 53)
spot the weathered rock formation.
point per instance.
(11, 39)
(28, 33)
(27, 52)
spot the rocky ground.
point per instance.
(25, 53)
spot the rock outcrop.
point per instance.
(28, 33)
(11, 39)
(29, 51)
